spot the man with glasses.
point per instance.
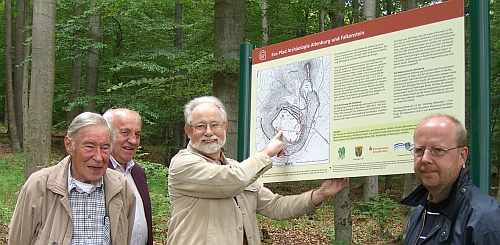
(214, 199)
(451, 210)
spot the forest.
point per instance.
(64, 57)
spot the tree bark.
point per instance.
(370, 9)
(92, 75)
(337, 14)
(9, 90)
(410, 180)
(76, 74)
(342, 206)
(370, 183)
(355, 11)
(229, 33)
(342, 217)
(410, 184)
(408, 4)
(321, 16)
(175, 134)
(178, 20)
(265, 24)
(38, 130)
(21, 67)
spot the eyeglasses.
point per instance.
(435, 151)
(203, 127)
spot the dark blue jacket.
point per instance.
(139, 177)
(468, 216)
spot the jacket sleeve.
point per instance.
(191, 175)
(131, 208)
(280, 207)
(25, 219)
(488, 227)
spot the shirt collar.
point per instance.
(116, 165)
(71, 180)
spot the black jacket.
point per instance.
(468, 216)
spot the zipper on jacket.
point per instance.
(421, 229)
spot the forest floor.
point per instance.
(379, 227)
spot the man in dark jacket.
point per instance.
(451, 210)
(127, 125)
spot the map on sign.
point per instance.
(294, 98)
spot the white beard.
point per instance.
(209, 148)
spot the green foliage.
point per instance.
(160, 200)
(382, 209)
(11, 180)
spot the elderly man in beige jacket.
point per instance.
(79, 200)
(214, 199)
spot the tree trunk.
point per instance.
(26, 72)
(410, 184)
(175, 134)
(9, 90)
(498, 186)
(370, 188)
(342, 217)
(410, 180)
(355, 11)
(321, 16)
(337, 14)
(342, 205)
(229, 33)
(265, 24)
(21, 66)
(388, 183)
(370, 9)
(370, 183)
(38, 130)
(178, 20)
(92, 75)
(408, 4)
(76, 74)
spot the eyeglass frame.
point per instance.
(433, 151)
(204, 126)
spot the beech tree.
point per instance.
(229, 34)
(9, 91)
(76, 70)
(39, 123)
(92, 75)
(21, 66)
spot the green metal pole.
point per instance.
(480, 139)
(244, 101)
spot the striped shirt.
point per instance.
(89, 214)
(430, 216)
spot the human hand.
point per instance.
(275, 147)
(328, 188)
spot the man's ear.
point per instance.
(186, 129)
(464, 153)
(67, 145)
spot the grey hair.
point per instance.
(188, 109)
(109, 116)
(83, 120)
(460, 130)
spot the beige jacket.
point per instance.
(215, 204)
(43, 213)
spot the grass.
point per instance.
(11, 181)
(160, 200)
